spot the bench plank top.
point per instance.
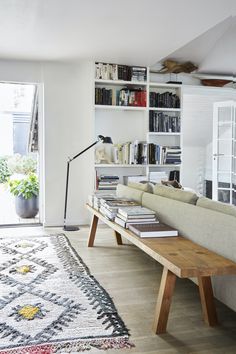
(180, 255)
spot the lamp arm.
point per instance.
(81, 152)
(68, 173)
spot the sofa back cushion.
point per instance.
(207, 203)
(130, 193)
(176, 194)
(144, 187)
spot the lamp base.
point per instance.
(70, 228)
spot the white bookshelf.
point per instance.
(130, 123)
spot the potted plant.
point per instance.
(26, 191)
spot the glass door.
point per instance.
(224, 154)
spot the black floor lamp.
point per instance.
(102, 139)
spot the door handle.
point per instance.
(216, 155)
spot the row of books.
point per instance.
(107, 182)
(123, 97)
(142, 153)
(106, 71)
(161, 155)
(164, 100)
(162, 122)
(130, 153)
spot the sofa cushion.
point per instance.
(176, 194)
(144, 187)
(207, 203)
(130, 193)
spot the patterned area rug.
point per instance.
(50, 303)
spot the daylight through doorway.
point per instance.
(19, 155)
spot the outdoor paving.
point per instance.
(8, 215)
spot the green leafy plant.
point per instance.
(27, 187)
(4, 170)
(22, 164)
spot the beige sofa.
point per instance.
(206, 222)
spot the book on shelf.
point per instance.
(161, 155)
(107, 182)
(153, 230)
(109, 208)
(164, 100)
(106, 71)
(164, 122)
(133, 211)
(120, 97)
(126, 224)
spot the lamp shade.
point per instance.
(105, 139)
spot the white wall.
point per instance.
(68, 129)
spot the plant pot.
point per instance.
(27, 208)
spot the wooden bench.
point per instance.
(179, 257)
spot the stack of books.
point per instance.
(94, 199)
(161, 155)
(109, 208)
(106, 71)
(138, 73)
(107, 182)
(163, 122)
(173, 155)
(164, 100)
(123, 97)
(134, 215)
(152, 230)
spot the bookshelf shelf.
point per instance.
(164, 109)
(119, 108)
(164, 134)
(120, 82)
(164, 165)
(164, 85)
(118, 166)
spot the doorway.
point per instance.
(19, 154)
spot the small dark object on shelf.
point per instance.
(175, 82)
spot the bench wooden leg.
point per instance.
(92, 232)
(164, 301)
(118, 238)
(207, 300)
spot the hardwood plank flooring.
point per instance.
(132, 279)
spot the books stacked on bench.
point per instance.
(152, 230)
(134, 215)
(94, 199)
(109, 208)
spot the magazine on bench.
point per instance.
(152, 230)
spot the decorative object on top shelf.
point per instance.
(172, 66)
(114, 72)
(215, 82)
(100, 138)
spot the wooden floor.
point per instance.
(132, 280)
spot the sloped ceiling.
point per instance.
(214, 51)
(125, 31)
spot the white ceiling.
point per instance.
(125, 31)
